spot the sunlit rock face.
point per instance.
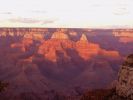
(73, 33)
(34, 36)
(124, 87)
(125, 36)
(82, 46)
(32, 33)
(85, 48)
(113, 54)
(59, 42)
(123, 33)
(59, 35)
(83, 38)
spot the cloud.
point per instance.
(31, 20)
(121, 11)
(48, 21)
(24, 20)
(6, 13)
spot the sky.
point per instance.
(67, 13)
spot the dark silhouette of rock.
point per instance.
(3, 86)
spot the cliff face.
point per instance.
(124, 87)
(85, 48)
(123, 33)
(125, 36)
(33, 33)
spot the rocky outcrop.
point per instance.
(82, 46)
(125, 36)
(51, 48)
(73, 33)
(85, 48)
(30, 33)
(113, 54)
(59, 35)
(124, 87)
(34, 36)
(83, 38)
(123, 33)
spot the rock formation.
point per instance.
(73, 33)
(82, 46)
(58, 42)
(59, 35)
(125, 36)
(123, 33)
(83, 38)
(124, 87)
(86, 49)
(22, 31)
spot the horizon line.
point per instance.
(69, 27)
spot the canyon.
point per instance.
(43, 62)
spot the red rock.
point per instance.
(59, 35)
(86, 49)
(83, 38)
(50, 47)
